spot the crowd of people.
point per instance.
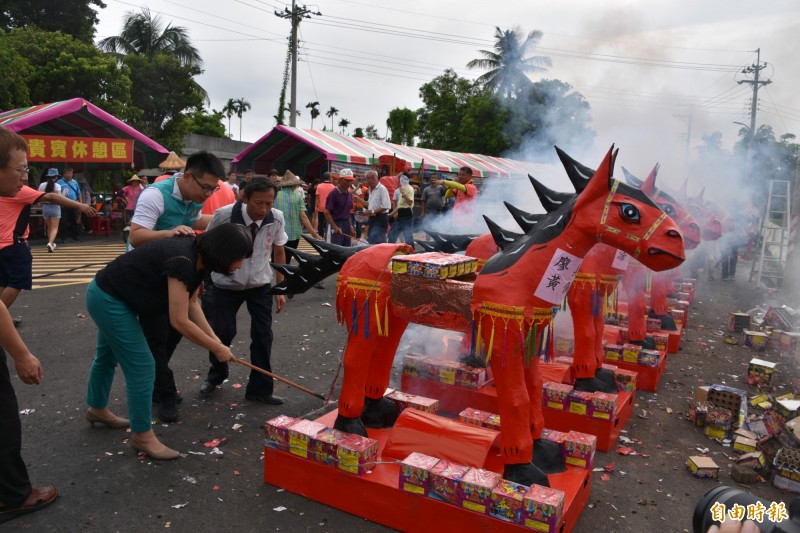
(201, 244)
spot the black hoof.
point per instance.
(525, 474)
(471, 360)
(606, 376)
(547, 456)
(350, 425)
(594, 385)
(667, 322)
(648, 343)
(380, 413)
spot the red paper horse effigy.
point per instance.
(513, 299)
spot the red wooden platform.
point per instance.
(376, 496)
(647, 377)
(453, 400)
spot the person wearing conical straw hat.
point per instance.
(290, 202)
(131, 193)
(170, 165)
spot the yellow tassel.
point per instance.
(378, 318)
(491, 343)
(386, 318)
(479, 339)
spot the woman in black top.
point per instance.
(162, 276)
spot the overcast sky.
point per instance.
(645, 66)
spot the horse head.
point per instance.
(628, 219)
(674, 209)
(710, 226)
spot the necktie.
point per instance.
(254, 230)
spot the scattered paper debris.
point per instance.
(279, 508)
(179, 505)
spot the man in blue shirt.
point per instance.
(69, 215)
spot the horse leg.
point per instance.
(581, 297)
(515, 406)
(662, 286)
(379, 412)
(637, 309)
(606, 376)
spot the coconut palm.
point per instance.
(343, 124)
(146, 35)
(229, 110)
(508, 65)
(314, 111)
(332, 112)
(241, 106)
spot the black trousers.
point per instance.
(15, 485)
(162, 340)
(70, 222)
(378, 225)
(223, 305)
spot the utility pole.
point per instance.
(754, 69)
(296, 14)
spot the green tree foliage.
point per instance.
(509, 64)
(445, 103)
(229, 110)
(371, 132)
(242, 106)
(71, 17)
(165, 91)
(359, 132)
(314, 107)
(204, 123)
(330, 113)
(143, 34)
(16, 72)
(403, 124)
(344, 123)
(62, 67)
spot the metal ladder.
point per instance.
(768, 267)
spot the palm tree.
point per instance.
(332, 112)
(314, 111)
(229, 110)
(241, 107)
(343, 124)
(146, 35)
(508, 65)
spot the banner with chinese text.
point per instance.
(55, 149)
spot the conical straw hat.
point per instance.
(172, 162)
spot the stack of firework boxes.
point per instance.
(443, 371)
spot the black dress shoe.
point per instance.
(269, 400)
(168, 410)
(207, 389)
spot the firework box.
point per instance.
(441, 370)
(613, 352)
(555, 395)
(774, 340)
(554, 436)
(661, 340)
(603, 405)
(743, 474)
(357, 454)
(623, 334)
(702, 467)
(760, 372)
(414, 473)
(743, 444)
(755, 340)
(653, 324)
(730, 398)
(701, 393)
(473, 417)
(470, 377)
(323, 447)
(578, 449)
(625, 379)
(716, 432)
(542, 508)
(780, 318)
(443, 481)
(564, 346)
(698, 412)
(787, 409)
(277, 431)
(759, 399)
(475, 489)
(786, 468)
(300, 435)
(412, 401)
(789, 341)
(649, 358)
(683, 305)
(678, 315)
(756, 460)
(506, 501)
(719, 416)
(492, 422)
(414, 365)
(630, 353)
(738, 322)
(435, 265)
(579, 402)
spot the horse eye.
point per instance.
(695, 211)
(629, 212)
(668, 209)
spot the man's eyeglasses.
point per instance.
(24, 170)
(207, 189)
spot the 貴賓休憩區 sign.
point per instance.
(46, 148)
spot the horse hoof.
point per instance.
(594, 385)
(648, 343)
(471, 360)
(547, 456)
(667, 322)
(606, 376)
(525, 474)
(380, 413)
(350, 425)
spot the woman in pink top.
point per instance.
(131, 193)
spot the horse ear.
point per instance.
(683, 192)
(603, 179)
(631, 180)
(526, 221)
(700, 195)
(550, 199)
(577, 173)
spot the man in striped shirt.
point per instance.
(290, 202)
